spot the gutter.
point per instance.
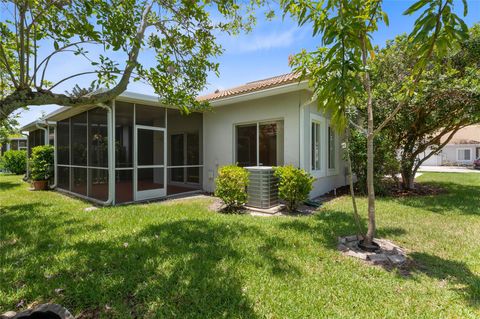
(55, 160)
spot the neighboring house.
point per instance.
(462, 149)
(14, 142)
(136, 149)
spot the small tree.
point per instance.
(14, 162)
(447, 101)
(340, 70)
(41, 163)
(231, 186)
(294, 185)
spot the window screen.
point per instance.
(79, 139)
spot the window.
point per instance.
(247, 145)
(316, 146)
(332, 148)
(51, 135)
(22, 144)
(464, 154)
(259, 144)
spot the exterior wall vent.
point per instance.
(263, 188)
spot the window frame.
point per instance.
(464, 149)
(320, 120)
(334, 170)
(257, 125)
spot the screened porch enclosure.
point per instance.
(157, 151)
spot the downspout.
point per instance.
(111, 154)
(45, 136)
(46, 141)
(55, 160)
(27, 174)
(301, 116)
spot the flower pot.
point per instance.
(40, 185)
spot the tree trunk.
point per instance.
(408, 174)
(370, 155)
(408, 179)
(370, 188)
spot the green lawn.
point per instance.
(181, 260)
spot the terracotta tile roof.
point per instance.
(252, 86)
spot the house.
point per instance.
(136, 149)
(15, 142)
(462, 149)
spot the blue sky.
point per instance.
(260, 54)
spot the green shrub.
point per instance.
(14, 162)
(231, 186)
(294, 185)
(385, 163)
(41, 163)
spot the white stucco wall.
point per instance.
(450, 152)
(219, 129)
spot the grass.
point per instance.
(178, 259)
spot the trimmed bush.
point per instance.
(41, 163)
(231, 186)
(14, 162)
(294, 185)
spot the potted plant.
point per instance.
(41, 166)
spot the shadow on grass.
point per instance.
(331, 224)
(181, 268)
(5, 186)
(461, 199)
(452, 272)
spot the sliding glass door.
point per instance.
(259, 144)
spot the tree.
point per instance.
(339, 70)
(448, 99)
(181, 34)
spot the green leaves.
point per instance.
(41, 163)
(294, 185)
(231, 185)
(336, 69)
(416, 6)
(437, 30)
(180, 34)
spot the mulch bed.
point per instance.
(392, 189)
(419, 189)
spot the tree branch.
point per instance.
(420, 72)
(7, 65)
(47, 58)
